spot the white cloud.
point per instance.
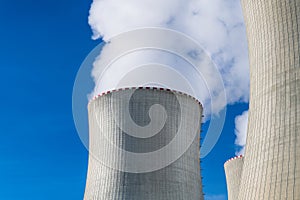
(241, 124)
(216, 24)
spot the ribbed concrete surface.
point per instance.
(272, 158)
(180, 180)
(233, 171)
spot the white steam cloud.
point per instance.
(241, 123)
(215, 24)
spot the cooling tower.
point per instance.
(233, 171)
(109, 112)
(272, 158)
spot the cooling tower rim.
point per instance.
(145, 88)
(234, 158)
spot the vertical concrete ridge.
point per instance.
(272, 158)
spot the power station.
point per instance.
(130, 123)
(108, 176)
(271, 168)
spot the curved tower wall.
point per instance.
(233, 171)
(272, 157)
(179, 180)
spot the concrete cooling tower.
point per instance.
(272, 158)
(113, 174)
(233, 171)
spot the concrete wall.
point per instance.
(179, 180)
(233, 171)
(272, 158)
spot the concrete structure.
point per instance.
(272, 158)
(179, 180)
(233, 171)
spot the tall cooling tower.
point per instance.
(272, 159)
(233, 171)
(108, 176)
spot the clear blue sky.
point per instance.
(42, 44)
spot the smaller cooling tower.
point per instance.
(233, 170)
(109, 177)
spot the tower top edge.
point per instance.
(145, 88)
(233, 158)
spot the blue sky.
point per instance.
(42, 44)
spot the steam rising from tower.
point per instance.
(216, 25)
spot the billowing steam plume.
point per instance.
(216, 24)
